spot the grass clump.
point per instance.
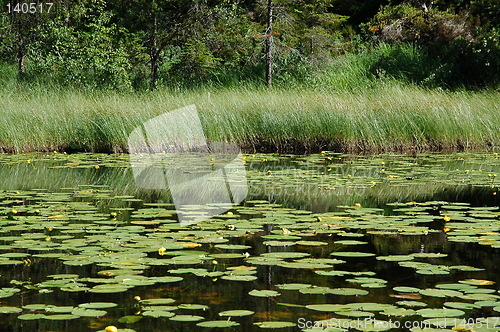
(389, 117)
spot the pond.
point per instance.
(322, 242)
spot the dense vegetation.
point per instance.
(347, 75)
(136, 45)
(389, 117)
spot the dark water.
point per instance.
(438, 180)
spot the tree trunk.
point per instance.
(154, 54)
(20, 63)
(269, 44)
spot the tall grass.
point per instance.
(389, 117)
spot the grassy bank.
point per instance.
(389, 117)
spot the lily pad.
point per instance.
(352, 254)
(186, 318)
(10, 310)
(98, 305)
(264, 293)
(218, 323)
(432, 313)
(160, 301)
(239, 278)
(236, 313)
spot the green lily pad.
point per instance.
(158, 313)
(186, 318)
(403, 289)
(8, 292)
(436, 313)
(193, 306)
(350, 242)
(160, 301)
(218, 323)
(412, 303)
(396, 258)
(352, 254)
(477, 282)
(440, 292)
(348, 291)
(264, 293)
(232, 246)
(38, 306)
(461, 305)
(82, 312)
(31, 316)
(98, 305)
(10, 310)
(236, 313)
(312, 243)
(274, 243)
(293, 286)
(239, 278)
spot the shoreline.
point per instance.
(389, 118)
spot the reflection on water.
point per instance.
(88, 207)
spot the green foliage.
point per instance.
(88, 54)
(403, 23)
(125, 45)
(447, 49)
(197, 61)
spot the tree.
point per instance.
(269, 44)
(80, 46)
(22, 30)
(157, 23)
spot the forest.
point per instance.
(134, 45)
